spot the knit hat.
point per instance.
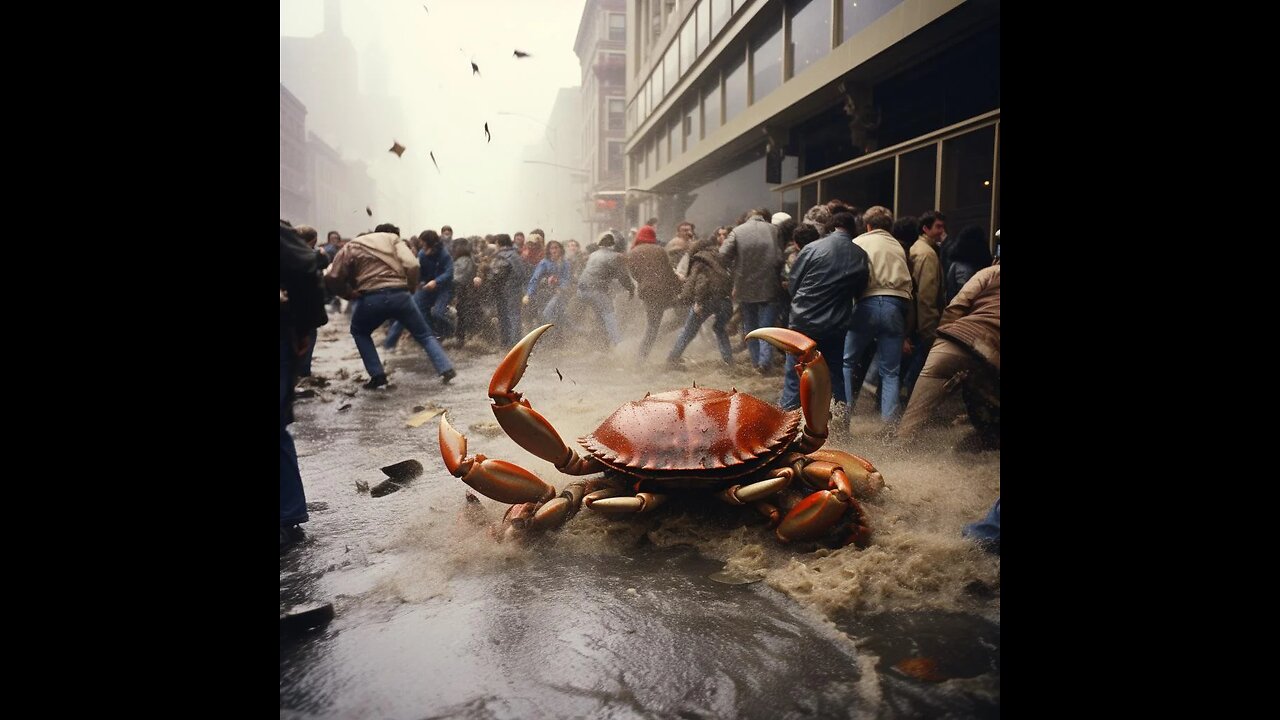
(646, 235)
(780, 217)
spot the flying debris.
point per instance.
(559, 375)
(397, 148)
(521, 54)
(475, 69)
(433, 160)
(487, 136)
(368, 210)
(424, 7)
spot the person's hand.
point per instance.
(906, 346)
(431, 285)
(697, 308)
(524, 300)
(284, 296)
(476, 281)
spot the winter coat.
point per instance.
(437, 266)
(708, 282)
(372, 262)
(551, 275)
(506, 273)
(603, 267)
(973, 317)
(889, 272)
(652, 271)
(827, 275)
(752, 249)
(926, 275)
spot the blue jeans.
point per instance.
(723, 311)
(293, 500)
(831, 345)
(509, 320)
(912, 366)
(434, 306)
(758, 315)
(883, 319)
(604, 308)
(375, 309)
(304, 363)
(554, 311)
(987, 531)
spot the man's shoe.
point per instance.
(291, 535)
(448, 375)
(376, 382)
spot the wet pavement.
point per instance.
(617, 618)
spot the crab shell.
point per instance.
(693, 437)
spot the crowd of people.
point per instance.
(896, 306)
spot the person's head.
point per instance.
(606, 240)
(878, 217)
(430, 241)
(460, 247)
(971, 247)
(779, 218)
(651, 222)
(786, 231)
(905, 231)
(820, 217)
(555, 250)
(388, 227)
(844, 221)
(804, 234)
(835, 203)
(308, 233)
(685, 230)
(415, 243)
(518, 241)
(722, 233)
(933, 225)
(333, 238)
(572, 249)
(503, 240)
(536, 238)
(446, 234)
(646, 236)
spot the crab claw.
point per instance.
(815, 381)
(866, 479)
(496, 479)
(512, 367)
(815, 516)
(521, 422)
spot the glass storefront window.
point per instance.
(791, 204)
(917, 175)
(653, 156)
(720, 12)
(672, 68)
(857, 14)
(687, 53)
(704, 26)
(808, 198)
(864, 187)
(735, 88)
(673, 138)
(711, 106)
(692, 126)
(966, 180)
(766, 61)
(810, 32)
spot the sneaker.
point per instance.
(448, 375)
(377, 382)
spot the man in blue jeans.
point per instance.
(881, 312)
(301, 312)
(377, 269)
(753, 252)
(825, 278)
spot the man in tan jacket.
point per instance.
(375, 272)
(880, 314)
(926, 273)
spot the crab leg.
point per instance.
(639, 503)
(496, 479)
(815, 381)
(778, 481)
(826, 510)
(525, 425)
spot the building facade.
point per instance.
(295, 195)
(601, 49)
(734, 104)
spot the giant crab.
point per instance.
(747, 451)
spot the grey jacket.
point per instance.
(603, 267)
(752, 249)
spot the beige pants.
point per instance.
(947, 367)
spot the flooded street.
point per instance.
(693, 611)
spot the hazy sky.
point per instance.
(428, 55)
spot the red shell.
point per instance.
(695, 430)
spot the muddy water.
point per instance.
(620, 618)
